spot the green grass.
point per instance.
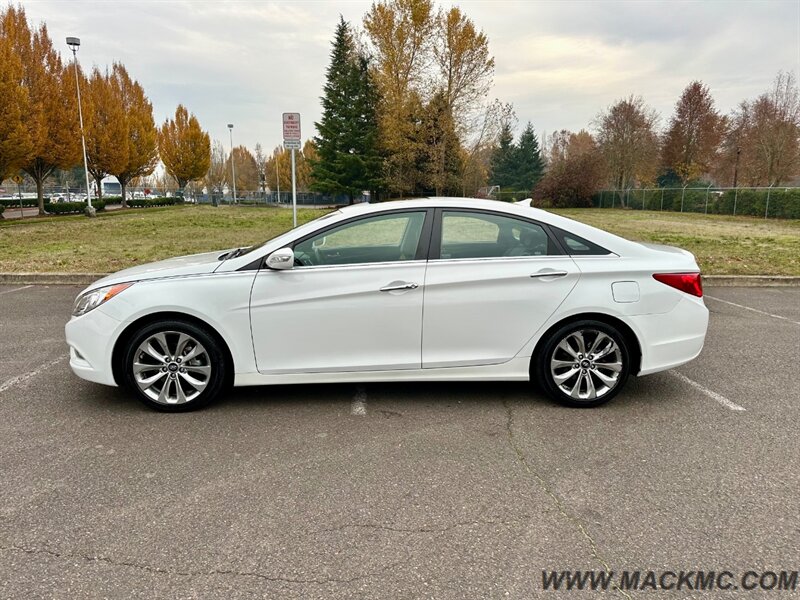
(124, 238)
(723, 245)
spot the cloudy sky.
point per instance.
(558, 62)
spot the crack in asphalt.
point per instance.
(557, 502)
(210, 573)
(422, 529)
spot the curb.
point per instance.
(708, 280)
(51, 278)
(751, 281)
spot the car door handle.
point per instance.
(399, 285)
(549, 274)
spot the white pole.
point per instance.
(233, 168)
(278, 174)
(294, 194)
(83, 139)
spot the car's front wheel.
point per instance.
(583, 364)
(175, 366)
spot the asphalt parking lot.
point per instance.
(397, 491)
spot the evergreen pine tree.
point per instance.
(348, 161)
(528, 160)
(503, 171)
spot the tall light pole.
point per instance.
(74, 43)
(233, 168)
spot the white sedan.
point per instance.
(437, 289)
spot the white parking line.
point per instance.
(25, 287)
(359, 405)
(710, 393)
(752, 309)
(9, 383)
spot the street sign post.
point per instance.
(291, 140)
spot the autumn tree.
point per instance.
(478, 150)
(401, 34)
(15, 141)
(442, 159)
(184, 147)
(51, 116)
(465, 67)
(575, 171)
(346, 143)
(106, 127)
(279, 168)
(627, 138)
(140, 139)
(308, 156)
(216, 175)
(694, 134)
(246, 169)
(762, 144)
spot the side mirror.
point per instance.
(281, 259)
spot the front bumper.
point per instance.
(90, 338)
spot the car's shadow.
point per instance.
(638, 391)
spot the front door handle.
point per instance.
(549, 274)
(399, 285)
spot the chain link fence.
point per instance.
(280, 199)
(767, 202)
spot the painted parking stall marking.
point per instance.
(710, 393)
(9, 383)
(25, 287)
(761, 312)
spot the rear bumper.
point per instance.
(91, 343)
(674, 338)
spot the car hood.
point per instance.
(195, 264)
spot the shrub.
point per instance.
(69, 208)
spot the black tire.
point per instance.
(598, 371)
(212, 359)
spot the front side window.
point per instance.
(483, 235)
(382, 238)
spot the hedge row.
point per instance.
(70, 208)
(148, 202)
(784, 203)
(14, 202)
(67, 208)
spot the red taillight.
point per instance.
(691, 283)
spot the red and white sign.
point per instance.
(291, 127)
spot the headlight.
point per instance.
(91, 300)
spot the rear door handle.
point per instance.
(549, 274)
(399, 285)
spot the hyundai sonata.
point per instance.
(436, 289)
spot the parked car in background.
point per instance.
(435, 289)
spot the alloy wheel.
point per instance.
(586, 364)
(171, 367)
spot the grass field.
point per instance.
(723, 245)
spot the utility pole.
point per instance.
(74, 43)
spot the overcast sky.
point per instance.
(559, 63)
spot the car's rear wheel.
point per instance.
(583, 364)
(175, 366)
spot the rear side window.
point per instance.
(576, 245)
(468, 234)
